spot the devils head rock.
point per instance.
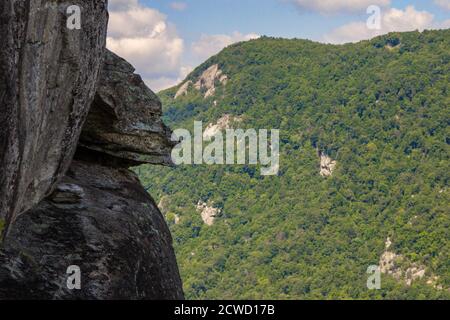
(125, 118)
(91, 212)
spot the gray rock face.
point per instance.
(91, 212)
(102, 220)
(48, 77)
(125, 118)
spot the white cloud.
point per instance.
(164, 82)
(179, 6)
(337, 6)
(119, 5)
(442, 25)
(392, 20)
(209, 45)
(443, 4)
(161, 83)
(145, 38)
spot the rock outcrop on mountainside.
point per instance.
(208, 213)
(327, 165)
(71, 201)
(206, 83)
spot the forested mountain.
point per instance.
(363, 180)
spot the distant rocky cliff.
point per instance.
(74, 117)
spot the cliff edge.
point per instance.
(74, 117)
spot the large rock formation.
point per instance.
(48, 78)
(91, 212)
(102, 220)
(125, 118)
(206, 83)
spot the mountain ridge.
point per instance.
(379, 109)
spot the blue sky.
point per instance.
(165, 39)
(265, 17)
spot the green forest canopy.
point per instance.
(380, 108)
